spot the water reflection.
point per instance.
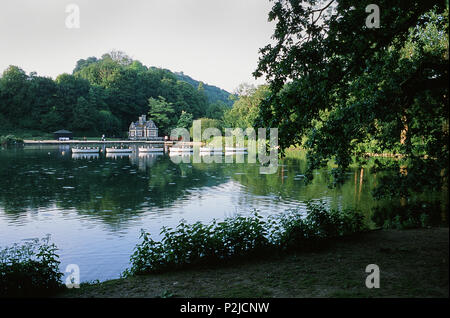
(117, 187)
(94, 205)
(111, 187)
(78, 156)
(146, 160)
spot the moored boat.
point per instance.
(180, 149)
(233, 149)
(85, 150)
(150, 149)
(119, 150)
(180, 153)
(150, 154)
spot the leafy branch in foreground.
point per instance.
(341, 89)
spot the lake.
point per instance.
(94, 207)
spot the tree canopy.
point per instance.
(160, 112)
(102, 95)
(245, 109)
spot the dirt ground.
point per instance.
(412, 263)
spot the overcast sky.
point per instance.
(215, 41)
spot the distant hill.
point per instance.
(213, 93)
(103, 96)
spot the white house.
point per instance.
(143, 129)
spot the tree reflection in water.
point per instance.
(115, 188)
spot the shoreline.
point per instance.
(413, 263)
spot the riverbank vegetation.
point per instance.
(32, 268)
(241, 237)
(10, 140)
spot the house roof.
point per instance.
(147, 124)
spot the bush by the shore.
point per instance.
(240, 237)
(29, 269)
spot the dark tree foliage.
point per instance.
(30, 269)
(342, 89)
(129, 85)
(213, 93)
(101, 96)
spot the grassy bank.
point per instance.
(413, 263)
(10, 140)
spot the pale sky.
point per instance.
(215, 41)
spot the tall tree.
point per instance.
(15, 97)
(185, 120)
(84, 117)
(245, 109)
(345, 85)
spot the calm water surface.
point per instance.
(95, 206)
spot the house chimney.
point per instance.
(144, 118)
